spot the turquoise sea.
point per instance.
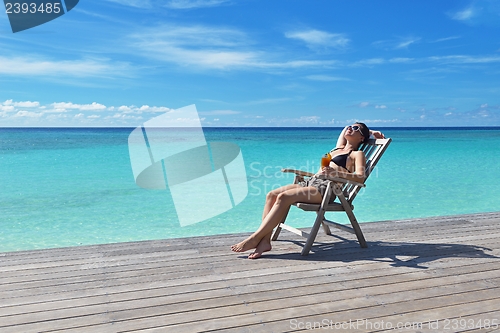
(74, 186)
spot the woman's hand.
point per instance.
(323, 170)
(327, 171)
(377, 134)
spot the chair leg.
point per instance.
(320, 216)
(354, 222)
(357, 230)
(278, 228)
(314, 231)
(276, 233)
(326, 228)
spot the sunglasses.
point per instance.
(355, 128)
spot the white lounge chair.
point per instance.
(345, 190)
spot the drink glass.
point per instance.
(325, 160)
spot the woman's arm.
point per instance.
(377, 134)
(341, 141)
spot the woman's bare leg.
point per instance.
(263, 246)
(274, 216)
(265, 243)
(273, 195)
(271, 198)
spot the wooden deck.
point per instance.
(432, 275)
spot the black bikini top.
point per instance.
(341, 160)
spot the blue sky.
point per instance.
(256, 63)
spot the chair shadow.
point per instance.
(398, 254)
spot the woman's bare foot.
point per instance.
(245, 245)
(263, 246)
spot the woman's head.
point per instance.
(362, 130)
(365, 131)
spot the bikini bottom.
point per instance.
(319, 184)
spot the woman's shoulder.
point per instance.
(357, 153)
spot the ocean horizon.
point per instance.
(70, 186)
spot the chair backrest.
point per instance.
(373, 149)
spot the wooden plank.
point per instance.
(184, 279)
(292, 281)
(301, 285)
(166, 257)
(413, 267)
(85, 254)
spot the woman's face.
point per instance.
(354, 131)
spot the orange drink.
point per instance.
(325, 160)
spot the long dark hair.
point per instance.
(365, 131)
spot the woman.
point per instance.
(346, 162)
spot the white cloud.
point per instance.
(299, 121)
(93, 106)
(124, 108)
(212, 47)
(72, 114)
(317, 121)
(369, 122)
(395, 44)
(57, 117)
(309, 119)
(198, 36)
(7, 108)
(401, 60)
(268, 101)
(218, 112)
(172, 4)
(317, 40)
(406, 42)
(125, 117)
(484, 12)
(463, 59)
(464, 14)
(147, 108)
(325, 78)
(368, 104)
(56, 110)
(445, 39)
(26, 66)
(158, 109)
(295, 64)
(190, 4)
(28, 114)
(450, 59)
(196, 45)
(207, 47)
(368, 62)
(134, 3)
(26, 104)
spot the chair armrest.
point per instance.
(298, 172)
(341, 180)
